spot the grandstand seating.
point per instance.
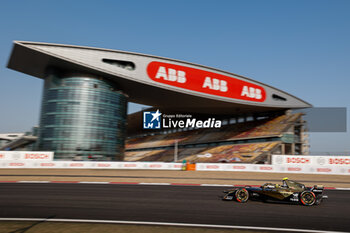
(226, 153)
(252, 129)
(139, 155)
(243, 152)
(234, 153)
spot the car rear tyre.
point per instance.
(307, 198)
(242, 195)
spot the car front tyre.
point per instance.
(307, 198)
(242, 195)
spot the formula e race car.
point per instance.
(289, 191)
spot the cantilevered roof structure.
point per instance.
(157, 81)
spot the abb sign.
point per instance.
(205, 82)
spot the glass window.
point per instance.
(50, 120)
(51, 107)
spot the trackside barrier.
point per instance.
(301, 169)
(312, 164)
(314, 160)
(90, 165)
(338, 165)
(306, 169)
(233, 167)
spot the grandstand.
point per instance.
(250, 142)
(87, 90)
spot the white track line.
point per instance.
(169, 224)
(33, 182)
(93, 182)
(218, 185)
(155, 183)
(345, 189)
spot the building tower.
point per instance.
(82, 116)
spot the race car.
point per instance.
(289, 191)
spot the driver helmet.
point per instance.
(284, 183)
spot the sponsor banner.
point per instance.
(264, 168)
(331, 170)
(89, 165)
(234, 167)
(205, 82)
(314, 160)
(293, 168)
(46, 165)
(148, 165)
(26, 155)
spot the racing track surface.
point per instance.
(180, 204)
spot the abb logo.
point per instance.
(205, 82)
(212, 166)
(76, 165)
(47, 164)
(2, 156)
(155, 165)
(324, 170)
(16, 164)
(252, 92)
(339, 161)
(178, 166)
(36, 156)
(103, 165)
(215, 84)
(239, 167)
(266, 168)
(130, 165)
(298, 160)
(171, 75)
(294, 169)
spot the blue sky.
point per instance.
(301, 47)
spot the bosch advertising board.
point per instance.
(26, 155)
(205, 82)
(311, 160)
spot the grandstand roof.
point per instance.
(156, 81)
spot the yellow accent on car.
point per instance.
(285, 178)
